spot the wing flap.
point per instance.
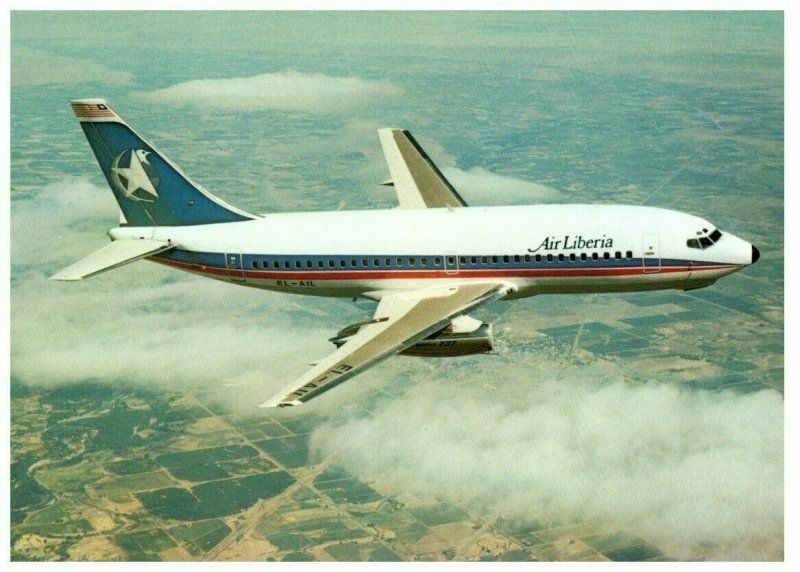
(113, 255)
(400, 321)
(418, 182)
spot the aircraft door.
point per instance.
(651, 255)
(451, 264)
(233, 262)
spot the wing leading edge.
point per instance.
(400, 320)
(417, 181)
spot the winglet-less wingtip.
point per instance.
(272, 403)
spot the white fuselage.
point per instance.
(540, 249)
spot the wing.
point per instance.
(400, 320)
(418, 182)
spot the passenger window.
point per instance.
(437, 261)
(606, 256)
(462, 260)
(319, 263)
(286, 264)
(423, 261)
(342, 263)
(308, 264)
(376, 262)
(297, 264)
(412, 262)
(527, 258)
(276, 264)
(483, 260)
(538, 258)
(399, 262)
(494, 260)
(629, 254)
(451, 260)
(561, 258)
(617, 255)
(331, 263)
(549, 258)
(505, 259)
(572, 257)
(583, 256)
(474, 260)
(255, 264)
(388, 262)
(364, 262)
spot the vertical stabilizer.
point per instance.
(150, 189)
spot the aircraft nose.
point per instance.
(756, 255)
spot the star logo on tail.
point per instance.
(135, 176)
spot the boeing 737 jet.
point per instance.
(426, 264)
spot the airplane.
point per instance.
(427, 263)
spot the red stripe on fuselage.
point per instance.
(430, 274)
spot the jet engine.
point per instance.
(462, 336)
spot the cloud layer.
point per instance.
(285, 90)
(698, 474)
(482, 187)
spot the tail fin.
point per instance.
(150, 189)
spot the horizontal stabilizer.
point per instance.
(111, 256)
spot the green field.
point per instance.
(203, 535)
(186, 459)
(215, 499)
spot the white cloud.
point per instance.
(287, 90)
(59, 222)
(148, 325)
(481, 187)
(698, 474)
(38, 67)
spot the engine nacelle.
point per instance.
(464, 336)
(447, 343)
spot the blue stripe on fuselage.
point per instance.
(300, 263)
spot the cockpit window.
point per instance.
(704, 239)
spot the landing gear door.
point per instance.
(651, 254)
(233, 262)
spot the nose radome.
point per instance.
(756, 255)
